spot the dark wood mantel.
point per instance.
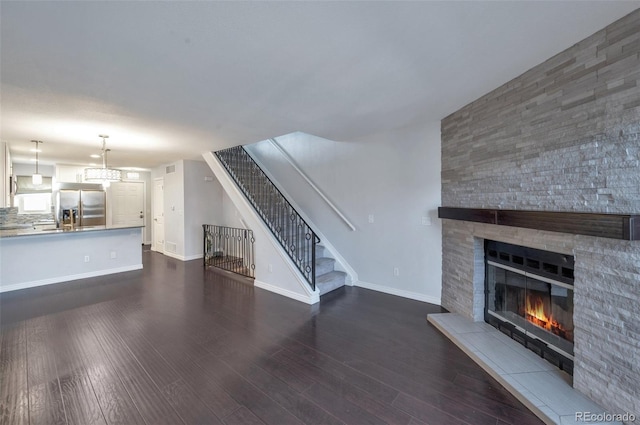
(614, 226)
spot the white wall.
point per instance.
(393, 176)
(189, 202)
(202, 204)
(42, 259)
(29, 169)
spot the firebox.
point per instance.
(529, 296)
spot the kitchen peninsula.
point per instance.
(34, 256)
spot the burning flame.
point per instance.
(537, 315)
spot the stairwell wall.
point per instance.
(394, 177)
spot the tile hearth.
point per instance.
(539, 385)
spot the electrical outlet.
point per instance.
(426, 221)
(86, 258)
(113, 254)
(396, 271)
(270, 268)
(371, 218)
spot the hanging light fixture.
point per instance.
(36, 178)
(105, 175)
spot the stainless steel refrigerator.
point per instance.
(82, 204)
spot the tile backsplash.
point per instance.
(10, 217)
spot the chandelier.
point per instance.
(104, 174)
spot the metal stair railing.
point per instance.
(292, 232)
(229, 248)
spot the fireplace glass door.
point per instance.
(543, 310)
(533, 294)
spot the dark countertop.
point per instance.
(47, 230)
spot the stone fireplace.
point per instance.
(562, 137)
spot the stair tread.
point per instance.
(329, 281)
(323, 260)
(327, 277)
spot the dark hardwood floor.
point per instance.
(175, 343)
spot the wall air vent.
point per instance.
(170, 169)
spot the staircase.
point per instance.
(293, 233)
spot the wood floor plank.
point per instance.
(14, 408)
(205, 388)
(245, 393)
(188, 405)
(41, 345)
(320, 365)
(244, 363)
(484, 399)
(242, 335)
(14, 389)
(288, 372)
(13, 361)
(46, 406)
(342, 384)
(242, 416)
(426, 412)
(341, 408)
(146, 396)
(112, 398)
(12, 333)
(116, 404)
(426, 394)
(80, 403)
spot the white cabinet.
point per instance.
(69, 174)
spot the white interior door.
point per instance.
(127, 204)
(158, 215)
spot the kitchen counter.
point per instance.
(43, 255)
(38, 230)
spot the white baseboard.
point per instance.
(183, 257)
(399, 292)
(172, 255)
(34, 283)
(312, 299)
(193, 257)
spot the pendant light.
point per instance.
(36, 178)
(104, 175)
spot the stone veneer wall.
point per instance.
(564, 136)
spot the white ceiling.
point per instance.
(170, 80)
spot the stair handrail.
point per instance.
(305, 265)
(292, 162)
